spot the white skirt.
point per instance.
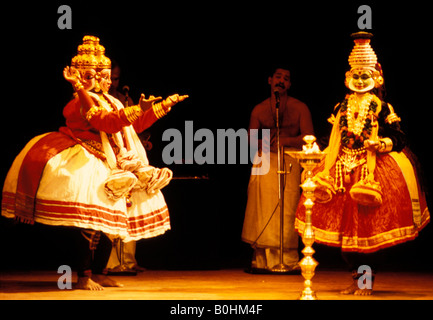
(71, 193)
(262, 215)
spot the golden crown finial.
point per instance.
(91, 39)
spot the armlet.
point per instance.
(93, 110)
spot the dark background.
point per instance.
(219, 53)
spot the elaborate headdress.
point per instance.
(103, 61)
(363, 57)
(86, 55)
(91, 55)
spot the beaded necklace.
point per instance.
(357, 113)
(355, 120)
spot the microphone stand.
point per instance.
(126, 90)
(281, 267)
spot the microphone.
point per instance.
(125, 90)
(277, 96)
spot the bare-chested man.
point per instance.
(262, 217)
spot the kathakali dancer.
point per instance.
(368, 194)
(93, 174)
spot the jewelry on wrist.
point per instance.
(159, 110)
(78, 86)
(133, 113)
(385, 145)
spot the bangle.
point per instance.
(78, 86)
(92, 111)
(159, 111)
(385, 145)
(132, 113)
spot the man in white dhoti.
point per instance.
(262, 216)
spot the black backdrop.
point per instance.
(219, 53)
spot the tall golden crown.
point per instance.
(362, 55)
(91, 55)
(103, 61)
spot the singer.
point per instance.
(262, 216)
(93, 174)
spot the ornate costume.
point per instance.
(93, 173)
(368, 195)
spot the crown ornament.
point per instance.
(91, 55)
(103, 61)
(362, 55)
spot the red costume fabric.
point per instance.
(91, 209)
(23, 202)
(103, 120)
(343, 223)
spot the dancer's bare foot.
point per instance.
(85, 283)
(363, 292)
(355, 290)
(351, 289)
(105, 281)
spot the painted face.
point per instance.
(104, 79)
(360, 81)
(88, 78)
(280, 80)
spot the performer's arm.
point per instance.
(107, 121)
(73, 77)
(145, 114)
(100, 118)
(141, 116)
(392, 138)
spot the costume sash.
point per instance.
(133, 143)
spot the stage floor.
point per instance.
(232, 284)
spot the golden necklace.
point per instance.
(357, 112)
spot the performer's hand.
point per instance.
(371, 145)
(146, 104)
(71, 75)
(172, 100)
(175, 98)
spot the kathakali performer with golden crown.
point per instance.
(368, 195)
(93, 174)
